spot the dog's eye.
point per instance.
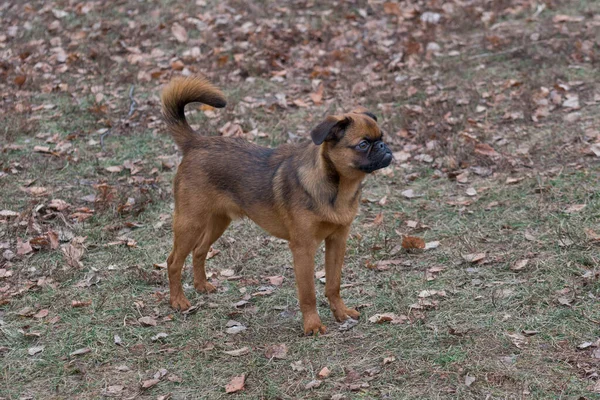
(364, 145)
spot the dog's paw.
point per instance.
(313, 325)
(180, 303)
(204, 287)
(343, 313)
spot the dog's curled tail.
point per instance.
(181, 91)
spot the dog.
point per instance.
(304, 193)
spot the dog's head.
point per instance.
(353, 142)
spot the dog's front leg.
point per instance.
(335, 249)
(304, 268)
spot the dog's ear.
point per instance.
(363, 110)
(331, 129)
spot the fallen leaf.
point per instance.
(317, 97)
(278, 351)
(388, 317)
(79, 304)
(276, 280)
(473, 258)
(565, 301)
(147, 384)
(389, 360)
(147, 321)
(297, 366)
(114, 169)
(575, 208)
(227, 273)
(517, 339)
(312, 384)
(179, 33)
(519, 265)
(234, 327)
(212, 252)
(432, 245)
(23, 247)
(412, 242)
(80, 352)
(236, 384)
(159, 336)
(409, 194)
(41, 314)
(160, 266)
(73, 254)
(324, 373)
(113, 390)
(469, 380)
(35, 350)
(8, 213)
(486, 150)
(239, 352)
(511, 181)
(432, 272)
(430, 293)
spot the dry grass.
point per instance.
(466, 333)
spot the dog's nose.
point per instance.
(380, 145)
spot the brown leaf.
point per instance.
(312, 384)
(412, 242)
(114, 169)
(79, 304)
(388, 317)
(238, 352)
(41, 314)
(324, 373)
(20, 80)
(278, 351)
(236, 384)
(149, 383)
(73, 254)
(575, 208)
(53, 239)
(276, 280)
(212, 252)
(519, 265)
(41, 149)
(179, 33)
(147, 321)
(485, 149)
(473, 258)
(161, 266)
(23, 247)
(8, 213)
(80, 352)
(317, 97)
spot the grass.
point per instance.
(480, 329)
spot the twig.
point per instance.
(132, 107)
(589, 319)
(133, 104)
(105, 134)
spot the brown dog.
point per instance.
(303, 193)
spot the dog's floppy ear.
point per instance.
(330, 129)
(363, 110)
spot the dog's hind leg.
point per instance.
(213, 230)
(184, 239)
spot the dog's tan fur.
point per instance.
(303, 193)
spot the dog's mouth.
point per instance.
(373, 166)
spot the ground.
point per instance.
(491, 108)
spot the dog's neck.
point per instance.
(326, 185)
